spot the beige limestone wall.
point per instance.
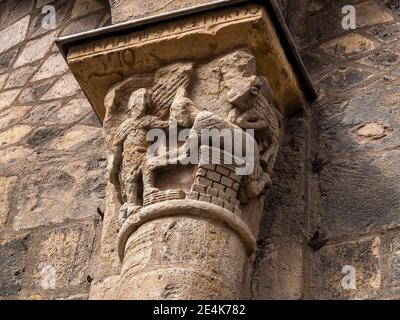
(52, 167)
(336, 202)
(124, 10)
(353, 216)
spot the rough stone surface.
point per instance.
(65, 87)
(12, 265)
(77, 137)
(8, 97)
(68, 252)
(71, 112)
(34, 92)
(335, 196)
(348, 45)
(84, 7)
(56, 194)
(7, 189)
(12, 115)
(15, 155)
(51, 182)
(14, 10)
(14, 135)
(13, 34)
(36, 49)
(3, 79)
(19, 77)
(370, 13)
(6, 59)
(353, 183)
(106, 289)
(122, 10)
(53, 66)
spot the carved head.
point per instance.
(138, 103)
(243, 91)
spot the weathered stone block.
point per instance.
(204, 182)
(370, 13)
(64, 87)
(222, 170)
(34, 92)
(54, 194)
(125, 10)
(349, 45)
(71, 112)
(14, 135)
(212, 192)
(227, 182)
(218, 186)
(82, 24)
(13, 34)
(6, 59)
(62, 258)
(19, 77)
(41, 112)
(77, 137)
(382, 59)
(385, 32)
(14, 10)
(12, 265)
(8, 97)
(363, 255)
(36, 49)
(53, 66)
(213, 176)
(83, 7)
(345, 78)
(7, 190)
(12, 115)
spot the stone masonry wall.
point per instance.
(335, 199)
(354, 194)
(52, 168)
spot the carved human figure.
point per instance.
(130, 172)
(166, 102)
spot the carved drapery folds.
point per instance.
(205, 200)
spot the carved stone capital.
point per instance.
(192, 110)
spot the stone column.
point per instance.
(188, 224)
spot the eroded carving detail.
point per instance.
(225, 95)
(167, 102)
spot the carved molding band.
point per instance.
(102, 63)
(198, 209)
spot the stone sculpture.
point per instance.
(182, 95)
